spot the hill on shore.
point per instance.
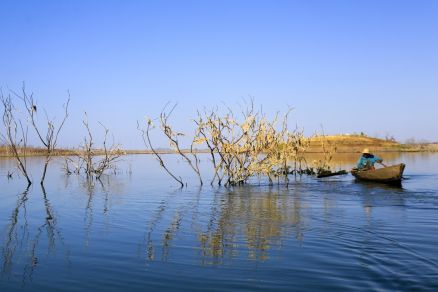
(356, 143)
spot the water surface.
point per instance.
(136, 230)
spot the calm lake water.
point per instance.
(138, 231)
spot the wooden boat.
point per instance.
(390, 174)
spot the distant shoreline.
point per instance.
(429, 148)
(403, 148)
(343, 144)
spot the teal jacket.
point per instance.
(368, 162)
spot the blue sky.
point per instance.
(350, 66)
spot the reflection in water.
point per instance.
(53, 234)
(247, 221)
(19, 241)
(237, 222)
(380, 195)
(261, 220)
(349, 234)
(88, 185)
(169, 232)
(91, 187)
(13, 238)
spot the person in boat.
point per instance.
(367, 160)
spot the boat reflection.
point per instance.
(393, 186)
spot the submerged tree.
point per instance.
(17, 130)
(250, 144)
(145, 132)
(173, 138)
(48, 134)
(94, 161)
(323, 165)
(240, 146)
(15, 136)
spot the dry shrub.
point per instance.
(241, 146)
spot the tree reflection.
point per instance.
(88, 186)
(168, 235)
(260, 221)
(237, 223)
(20, 240)
(53, 233)
(102, 187)
(170, 232)
(15, 236)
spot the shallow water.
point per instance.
(138, 231)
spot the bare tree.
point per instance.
(173, 138)
(189, 156)
(49, 139)
(110, 154)
(323, 165)
(241, 146)
(201, 122)
(147, 141)
(87, 154)
(15, 136)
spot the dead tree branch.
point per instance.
(173, 136)
(15, 135)
(147, 141)
(49, 139)
(87, 155)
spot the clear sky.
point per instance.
(350, 66)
